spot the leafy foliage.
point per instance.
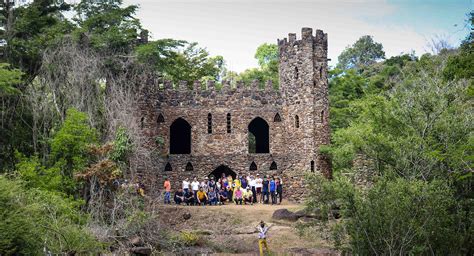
(267, 56)
(363, 52)
(36, 219)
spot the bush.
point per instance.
(33, 220)
(393, 217)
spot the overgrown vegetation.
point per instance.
(402, 150)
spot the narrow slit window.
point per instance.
(321, 72)
(322, 116)
(209, 123)
(229, 124)
(296, 73)
(253, 166)
(273, 166)
(160, 119)
(168, 167)
(297, 121)
(277, 118)
(142, 122)
(312, 166)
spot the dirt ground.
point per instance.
(231, 229)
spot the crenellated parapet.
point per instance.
(186, 93)
(318, 42)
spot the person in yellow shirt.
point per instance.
(201, 196)
(248, 196)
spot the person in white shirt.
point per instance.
(186, 185)
(258, 187)
(262, 237)
(195, 186)
(204, 185)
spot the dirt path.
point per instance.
(230, 229)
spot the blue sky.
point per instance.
(235, 28)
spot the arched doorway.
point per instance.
(180, 137)
(259, 136)
(217, 173)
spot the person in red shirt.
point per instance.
(167, 186)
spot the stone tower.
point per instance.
(241, 129)
(304, 86)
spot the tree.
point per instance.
(107, 26)
(267, 57)
(363, 52)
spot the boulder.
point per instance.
(186, 215)
(284, 214)
(141, 250)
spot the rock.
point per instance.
(136, 241)
(315, 214)
(186, 215)
(284, 214)
(141, 250)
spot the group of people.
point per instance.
(247, 189)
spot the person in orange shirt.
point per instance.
(167, 186)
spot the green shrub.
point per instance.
(393, 217)
(31, 220)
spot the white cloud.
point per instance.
(234, 29)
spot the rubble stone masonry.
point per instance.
(295, 118)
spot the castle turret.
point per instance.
(304, 86)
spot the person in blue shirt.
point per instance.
(222, 196)
(273, 190)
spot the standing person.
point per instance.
(280, 188)
(252, 184)
(179, 196)
(218, 185)
(167, 187)
(211, 184)
(204, 184)
(273, 190)
(186, 185)
(195, 186)
(243, 182)
(265, 189)
(258, 187)
(202, 197)
(262, 237)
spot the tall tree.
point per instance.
(363, 52)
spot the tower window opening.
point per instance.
(189, 167)
(312, 166)
(209, 123)
(142, 122)
(322, 116)
(297, 121)
(296, 73)
(229, 124)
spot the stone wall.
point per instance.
(303, 93)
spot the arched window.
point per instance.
(229, 124)
(277, 118)
(312, 166)
(273, 166)
(180, 137)
(160, 119)
(297, 121)
(168, 167)
(258, 136)
(209, 123)
(142, 122)
(189, 167)
(253, 166)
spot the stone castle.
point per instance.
(244, 129)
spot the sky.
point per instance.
(235, 28)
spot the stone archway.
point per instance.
(217, 173)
